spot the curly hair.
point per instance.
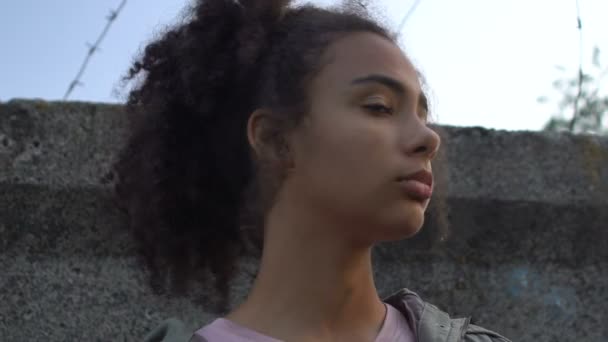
(187, 176)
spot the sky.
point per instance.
(486, 62)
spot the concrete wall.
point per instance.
(527, 253)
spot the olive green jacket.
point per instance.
(428, 322)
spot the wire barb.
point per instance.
(94, 48)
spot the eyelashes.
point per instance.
(378, 108)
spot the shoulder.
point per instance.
(172, 330)
(475, 333)
(457, 329)
(432, 324)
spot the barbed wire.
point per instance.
(408, 15)
(94, 48)
(579, 93)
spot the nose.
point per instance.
(424, 142)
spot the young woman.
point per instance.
(304, 127)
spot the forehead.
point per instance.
(361, 54)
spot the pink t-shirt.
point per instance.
(394, 329)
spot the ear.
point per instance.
(266, 136)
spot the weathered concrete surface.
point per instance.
(527, 253)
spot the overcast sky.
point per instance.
(486, 61)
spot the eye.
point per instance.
(378, 108)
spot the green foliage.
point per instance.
(581, 108)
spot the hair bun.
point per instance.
(260, 19)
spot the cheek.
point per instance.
(347, 173)
(348, 160)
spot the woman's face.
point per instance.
(366, 130)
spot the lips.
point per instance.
(418, 185)
(422, 176)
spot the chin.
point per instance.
(402, 225)
(407, 231)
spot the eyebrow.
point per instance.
(394, 85)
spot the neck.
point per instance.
(312, 283)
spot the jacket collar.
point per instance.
(428, 322)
